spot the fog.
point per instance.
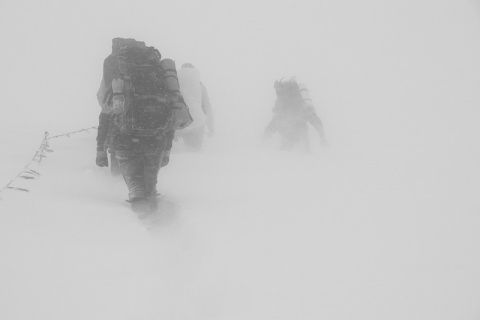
(383, 224)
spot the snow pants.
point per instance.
(139, 159)
(295, 136)
(293, 133)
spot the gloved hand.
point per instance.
(181, 114)
(102, 159)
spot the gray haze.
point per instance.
(382, 225)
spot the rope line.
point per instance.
(29, 174)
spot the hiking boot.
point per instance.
(141, 207)
(152, 200)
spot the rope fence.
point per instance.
(28, 173)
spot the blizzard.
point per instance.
(382, 224)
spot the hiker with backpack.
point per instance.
(292, 113)
(196, 97)
(146, 107)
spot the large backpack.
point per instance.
(181, 111)
(139, 94)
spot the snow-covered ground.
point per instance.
(384, 224)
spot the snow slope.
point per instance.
(273, 236)
(381, 225)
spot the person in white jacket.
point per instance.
(196, 97)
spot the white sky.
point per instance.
(385, 61)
